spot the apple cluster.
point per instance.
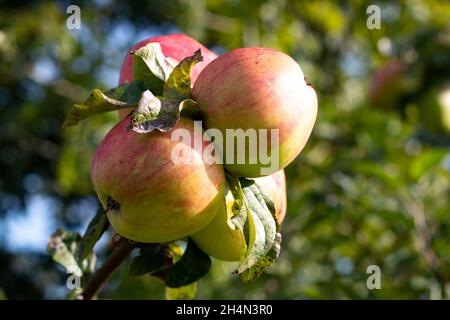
(151, 199)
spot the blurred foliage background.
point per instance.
(371, 187)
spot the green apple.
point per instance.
(435, 110)
(220, 239)
(148, 196)
(260, 89)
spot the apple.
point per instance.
(275, 187)
(257, 88)
(387, 85)
(148, 197)
(223, 241)
(175, 46)
(435, 110)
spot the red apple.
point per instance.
(387, 85)
(222, 240)
(152, 199)
(176, 46)
(258, 88)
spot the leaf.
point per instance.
(163, 113)
(257, 222)
(150, 259)
(236, 211)
(236, 190)
(123, 96)
(182, 293)
(264, 262)
(151, 66)
(269, 203)
(260, 221)
(190, 109)
(193, 265)
(62, 247)
(178, 85)
(426, 162)
(94, 231)
(88, 264)
(155, 113)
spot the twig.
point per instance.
(102, 274)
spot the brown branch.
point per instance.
(102, 274)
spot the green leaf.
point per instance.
(94, 231)
(190, 109)
(265, 198)
(193, 265)
(150, 259)
(254, 215)
(263, 262)
(425, 162)
(235, 188)
(151, 66)
(63, 247)
(182, 293)
(123, 96)
(260, 221)
(178, 85)
(155, 113)
(163, 113)
(237, 211)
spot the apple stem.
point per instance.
(102, 274)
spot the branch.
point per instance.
(102, 274)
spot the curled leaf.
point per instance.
(254, 215)
(163, 113)
(193, 265)
(152, 67)
(123, 96)
(94, 231)
(149, 260)
(62, 247)
(178, 85)
(155, 114)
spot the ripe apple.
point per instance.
(175, 46)
(222, 240)
(257, 88)
(387, 85)
(435, 110)
(152, 199)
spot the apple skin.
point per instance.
(175, 46)
(435, 111)
(159, 200)
(387, 85)
(275, 187)
(224, 242)
(258, 88)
